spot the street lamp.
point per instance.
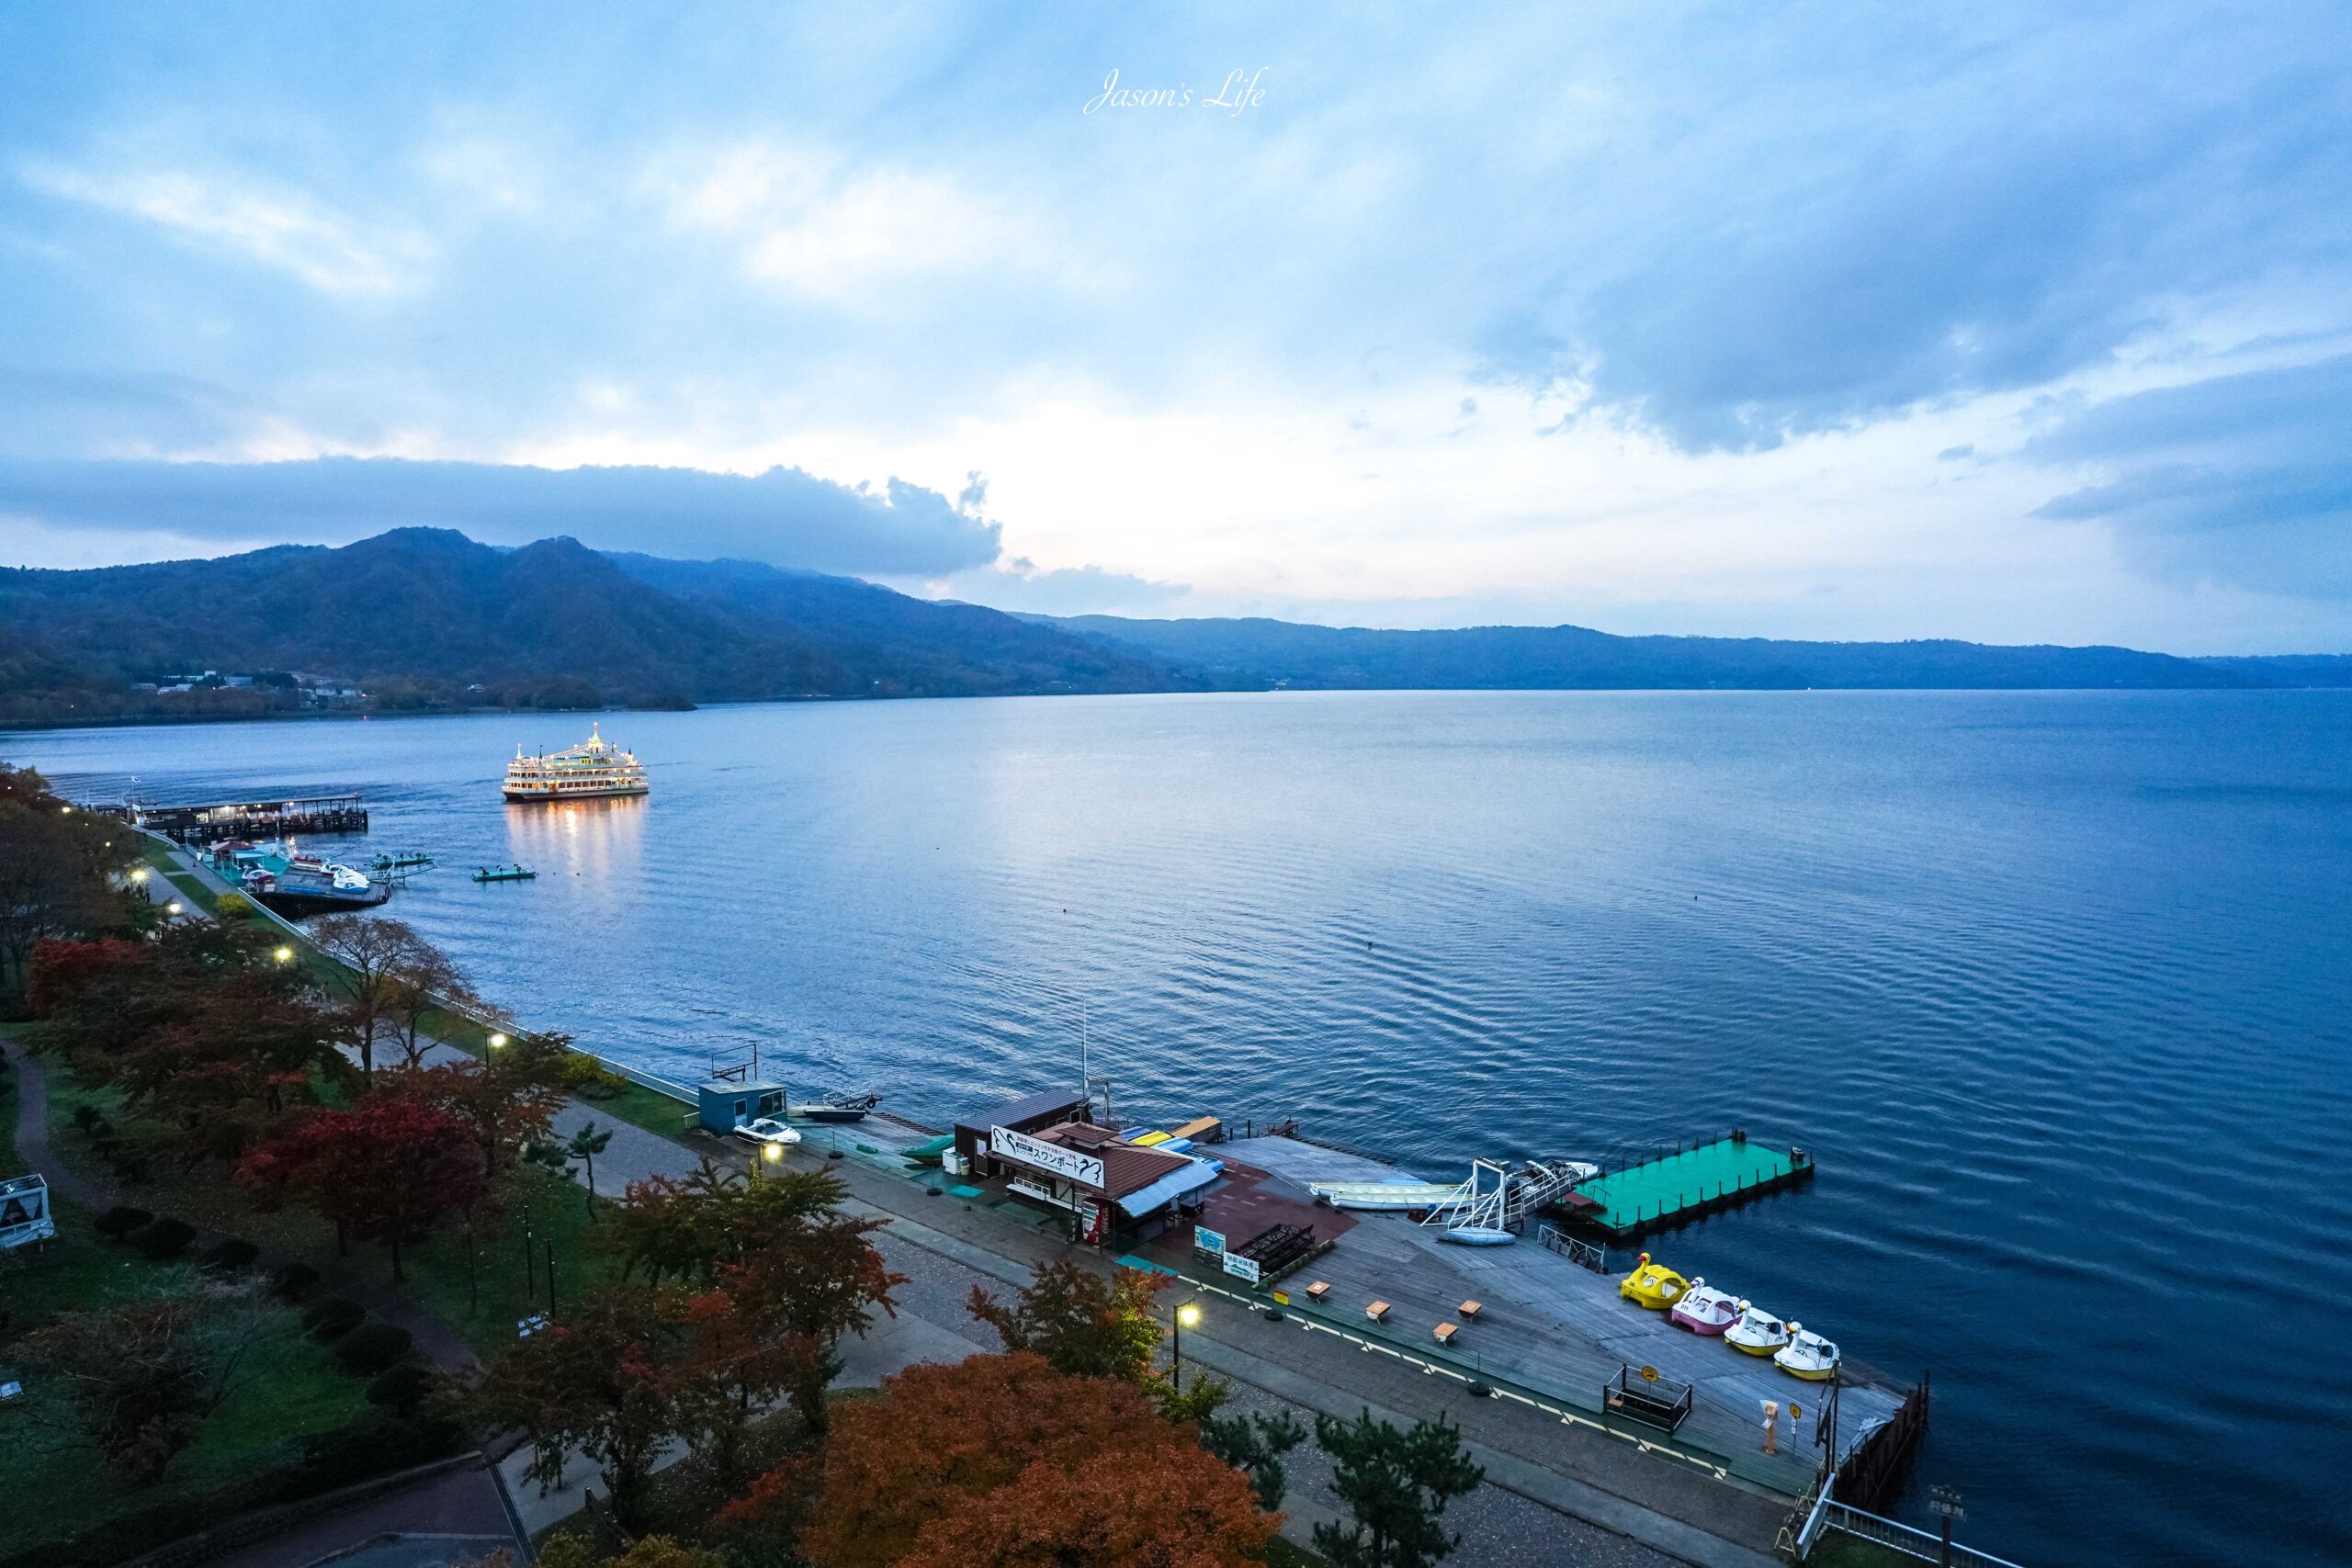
(1187, 1315)
(496, 1041)
(172, 908)
(139, 875)
(285, 953)
(771, 1154)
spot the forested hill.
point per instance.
(421, 617)
(426, 618)
(1574, 658)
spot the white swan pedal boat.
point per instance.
(1757, 1331)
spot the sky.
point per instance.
(2016, 322)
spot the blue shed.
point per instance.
(725, 1104)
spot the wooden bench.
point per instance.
(1472, 1309)
(1444, 1332)
(1376, 1310)
(1317, 1290)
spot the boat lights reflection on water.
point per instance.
(588, 838)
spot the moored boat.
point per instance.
(1652, 1285)
(1704, 1309)
(1757, 1331)
(1477, 1235)
(835, 1108)
(1807, 1355)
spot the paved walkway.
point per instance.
(454, 1517)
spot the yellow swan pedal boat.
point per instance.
(1807, 1355)
(1652, 1285)
(1757, 1331)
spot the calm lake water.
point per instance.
(2057, 986)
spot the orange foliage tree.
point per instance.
(1002, 1460)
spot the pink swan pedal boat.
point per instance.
(1705, 1309)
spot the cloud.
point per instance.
(255, 220)
(785, 516)
(1020, 585)
(2243, 478)
(814, 229)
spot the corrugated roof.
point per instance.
(1125, 1168)
(1053, 1102)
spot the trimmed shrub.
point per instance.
(372, 1347)
(230, 1256)
(332, 1317)
(83, 1115)
(164, 1238)
(402, 1388)
(232, 906)
(293, 1282)
(99, 1127)
(375, 1443)
(120, 1221)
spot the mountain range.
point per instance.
(428, 618)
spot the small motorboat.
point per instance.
(835, 1108)
(1478, 1235)
(1652, 1285)
(768, 1130)
(505, 874)
(1705, 1309)
(1757, 1331)
(1807, 1355)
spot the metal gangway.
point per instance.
(1500, 1198)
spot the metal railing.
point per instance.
(1583, 1254)
(1828, 1514)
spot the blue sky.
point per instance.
(2012, 323)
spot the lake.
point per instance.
(2056, 987)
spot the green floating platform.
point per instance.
(1658, 1191)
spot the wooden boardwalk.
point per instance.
(1559, 1328)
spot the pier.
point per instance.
(209, 824)
(1647, 1195)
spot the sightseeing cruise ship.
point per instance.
(595, 768)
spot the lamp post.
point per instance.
(1187, 1315)
(770, 1154)
(285, 953)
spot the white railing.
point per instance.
(1831, 1515)
(1583, 1254)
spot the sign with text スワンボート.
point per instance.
(1020, 1147)
(1243, 1268)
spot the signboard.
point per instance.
(1241, 1268)
(24, 1212)
(1069, 1164)
(1207, 1240)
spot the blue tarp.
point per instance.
(1171, 1187)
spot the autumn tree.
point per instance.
(1396, 1484)
(685, 1228)
(804, 1280)
(140, 1379)
(503, 1110)
(385, 1169)
(423, 981)
(370, 956)
(1085, 1324)
(60, 871)
(607, 1381)
(1003, 1460)
(203, 1028)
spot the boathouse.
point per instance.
(1026, 1116)
(1111, 1184)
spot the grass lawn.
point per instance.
(288, 1387)
(1835, 1548)
(1281, 1553)
(554, 1211)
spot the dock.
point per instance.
(1650, 1194)
(212, 822)
(1553, 1332)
